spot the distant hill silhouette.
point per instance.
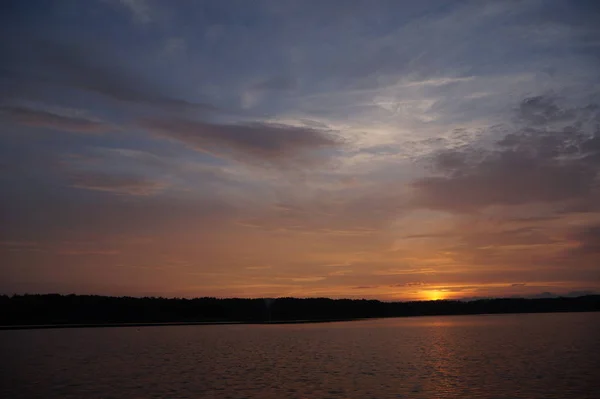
(545, 294)
(92, 309)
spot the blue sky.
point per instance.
(386, 149)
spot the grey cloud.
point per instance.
(533, 164)
(383, 149)
(122, 185)
(275, 143)
(508, 180)
(32, 62)
(314, 124)
(140, 10)
(541, 110)
(41, 118)
(450, 160)
(162, 164)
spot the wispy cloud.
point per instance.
(272, 143)
(140, 10)
(121, 185)
(548, 164)
(41, 61)
(78, 252)
(51, 120)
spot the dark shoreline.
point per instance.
(276, 322)
(46, 311)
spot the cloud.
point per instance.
(509, 179)
(541, 110)
(273, 143)
(255, 93)
(437, 81)
(34, 62)
(258, 267)
(410, 284)
(20, 246)
(121, 185)
(457, 289)
(46, 119)
(536, 163)
(588, 239)
(78, 252)
(140, 10)
(276, 83)
(305, 279)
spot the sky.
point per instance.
(396, 150)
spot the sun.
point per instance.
(434, 295)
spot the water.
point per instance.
(496, 356)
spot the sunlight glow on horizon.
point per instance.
(434, 295)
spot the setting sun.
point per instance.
(434, 295)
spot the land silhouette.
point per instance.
(54, 310)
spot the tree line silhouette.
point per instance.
(93, 309)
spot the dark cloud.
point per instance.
(541, 110)
(275, 143)
(122, 185)
(588, 239)
(509, 179)
(533, 164)
(31, 62)
(45, 119)
(498, 238)
(450, 160)
(410, 284)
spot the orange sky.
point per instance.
(391, 151)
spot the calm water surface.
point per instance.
(495, 356)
